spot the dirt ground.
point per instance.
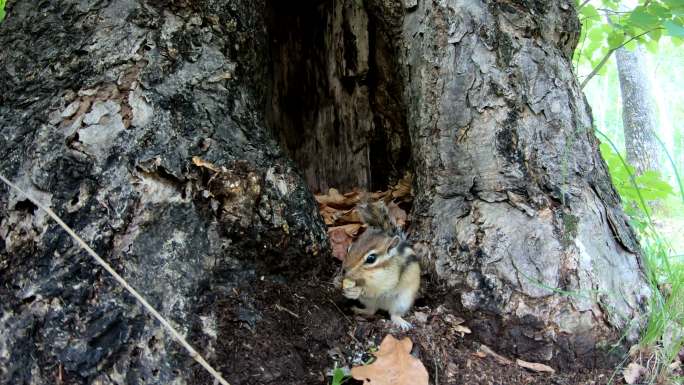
(272, 332)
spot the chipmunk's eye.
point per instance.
(371, 258)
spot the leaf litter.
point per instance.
(394, 365)
(344, 223)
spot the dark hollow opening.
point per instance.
(335, 103)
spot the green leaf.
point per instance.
(615, 39)
(631, 45)
(659, 11)
(652, 46)
(610, 4)
(656, 34)
(2, 10)
(674, 29)
(642, 19)
(674, 4)
(338, 377)
(589, 12)
(595, 34)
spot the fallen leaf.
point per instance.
(633, 372)
(500, 359)
(394, 365)
(334, 199)
(348, 216)
(397, 214)
(402, 190)
(535, 366)
(341, 237)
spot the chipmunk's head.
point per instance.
(372, 260)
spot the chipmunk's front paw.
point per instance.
(401, 323)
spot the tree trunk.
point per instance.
(638, 111)
(514, 207)
(106, 104)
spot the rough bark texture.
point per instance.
(513, 201)
(106, 102)
(638, 111)
(103, 106)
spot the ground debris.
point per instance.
(633, 372)
(535, 366)
(343, 221)
(487, 351)
(394, 365)
(341, 237)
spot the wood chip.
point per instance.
(535, 366)
(500, 359)
(462, 329)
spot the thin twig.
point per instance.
(610, 52)
(283, 308)
(583, 4)
(175, 334)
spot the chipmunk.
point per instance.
(381, 269)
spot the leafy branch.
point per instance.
(607, 27)
(609, 54)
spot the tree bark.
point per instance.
(638, 111)
(106, 104)
(514, 207)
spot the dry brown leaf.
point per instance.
(199, 162)
(352, 229)
(329, 215)
(348, 216)
(535, 366)
(341, 237)
(402, 190)
(633, 372)
(394, 365)
(381, 196)
(500, 359)
(397, 214)
(334, 199)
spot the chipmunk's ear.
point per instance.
(376, 215)
(394, 242)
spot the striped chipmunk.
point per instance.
(381, 270)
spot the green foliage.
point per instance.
(339, 377)
(2, 10)
(666, 278)
(606, 26)
(638, 192)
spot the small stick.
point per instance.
(283, 308)
(175, 334)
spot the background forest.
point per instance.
(629, 61)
